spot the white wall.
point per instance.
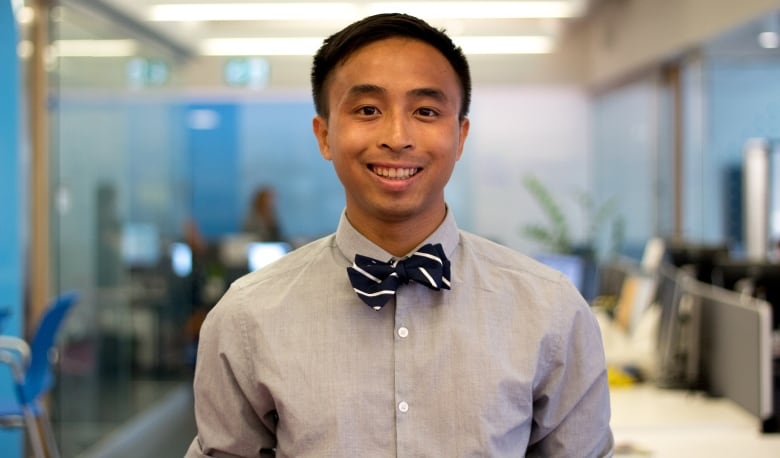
(628, 36)
(626, 151)
(515, 131)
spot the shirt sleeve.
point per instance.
(571, 401)
(227, 399)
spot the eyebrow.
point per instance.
(427, 92)
(423, 92)
(365, 89)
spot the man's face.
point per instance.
(393, 131)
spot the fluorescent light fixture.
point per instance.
(288, 46)
(252, 11)
(95, 48)
(349, 11)
(307, 46)
(476, 10)
(505, 45)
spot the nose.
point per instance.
(397, 133)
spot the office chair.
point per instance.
(31, 368)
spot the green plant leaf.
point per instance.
(556, 236)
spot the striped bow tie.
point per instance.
(375, 282)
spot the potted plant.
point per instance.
(556, 236)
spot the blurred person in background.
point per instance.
(261, 219)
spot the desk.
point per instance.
(662, 423)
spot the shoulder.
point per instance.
(259, 289)
(295, 261)
(495, 257)
(516, 283)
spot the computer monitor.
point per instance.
(667, 296)
(736, 341)
(260, 254)
(181, 258)
(140, 245)
(571, 266)
(612, 274)
(679, 329)
(700, 258)
(756, 279)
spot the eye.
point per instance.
(426, 112)
(367, 110)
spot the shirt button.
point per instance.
(403, 406)
(403, 332)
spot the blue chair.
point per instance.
(31, 367)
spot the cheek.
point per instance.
(448, 141)
(350, 143)
(353, 135)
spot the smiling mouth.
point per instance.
(395, 173)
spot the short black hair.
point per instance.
(342, 44)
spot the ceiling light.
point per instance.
(307, 46)
(476, 10)
(296, 46)
(505, 45)
(95, 48)
(251, 11)
(350, 11)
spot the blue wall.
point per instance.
(743, 97)
(170, 161)
(278, 148)
(211, 146)
(10, 205)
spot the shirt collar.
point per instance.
(351, 242)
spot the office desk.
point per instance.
(648, 421)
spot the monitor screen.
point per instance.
(571, 266)
(181, 259)
(140, 245)
(260, 254)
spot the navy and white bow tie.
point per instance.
(375, 282)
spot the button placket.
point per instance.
(404, 358)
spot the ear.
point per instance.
(320, 127)
(464, 132)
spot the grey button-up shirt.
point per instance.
(507, 363)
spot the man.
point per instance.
(466, 348)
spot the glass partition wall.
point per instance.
(689, 125)
(152, 178)
(117, 213)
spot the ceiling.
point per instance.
(757, 38)
(130, 23)
(313, 19)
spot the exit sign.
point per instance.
(251, 72)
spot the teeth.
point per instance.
(395, 173)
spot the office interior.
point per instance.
(635, 144)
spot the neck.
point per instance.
(398, 237)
